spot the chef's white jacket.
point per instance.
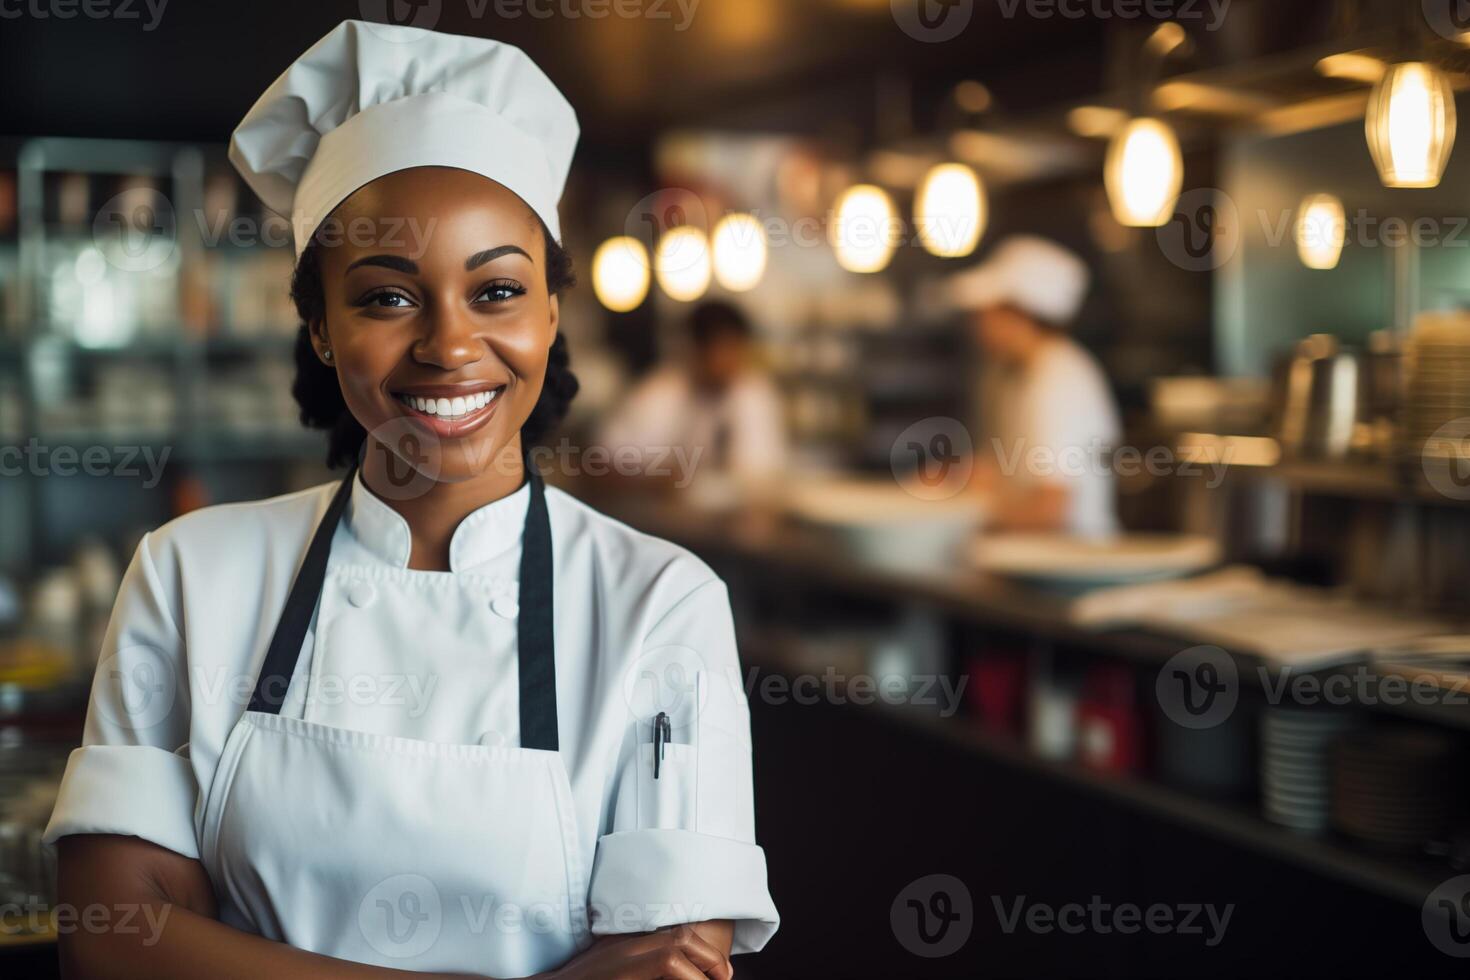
(641, 625)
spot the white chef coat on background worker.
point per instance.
(397, 808)
(740, 431)
(1052, 420)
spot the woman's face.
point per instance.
(438, 320)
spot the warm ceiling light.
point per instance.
(864, 230)
(1144, 173)
(1321, 229)
(950, 210)
(1095, 121)
(1352, 67)
(972, 96)
(1165, 40)
(682, 263)
(739, 246)
(1411, 125)
(620, 274)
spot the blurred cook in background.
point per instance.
(1048, 420)
(720, 409)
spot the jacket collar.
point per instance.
(485, 534)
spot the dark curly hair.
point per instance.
(317, 392)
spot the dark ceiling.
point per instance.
(785, 64)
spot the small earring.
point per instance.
(327, 354)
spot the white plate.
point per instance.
(1061, 559)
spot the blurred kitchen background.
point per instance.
(1253, 696)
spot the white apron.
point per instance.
(394, 851)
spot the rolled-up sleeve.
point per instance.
(682, 848)
(132, 774)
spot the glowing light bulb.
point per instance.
(620, 274)
(950, 210)
(1144, 173)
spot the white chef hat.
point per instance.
(1034, 274)
(372, 99)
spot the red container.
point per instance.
(1109, 726)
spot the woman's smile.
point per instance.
(450, 411)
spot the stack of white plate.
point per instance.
(1438, 393)
(1295, 772)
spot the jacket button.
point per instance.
(505, 607)
(362, 594)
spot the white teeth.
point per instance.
(451, 408)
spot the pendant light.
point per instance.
(1411, 125)
(1321, 229)
(950, 210)
(739, 245)
(863, 232)
(1144, 173)
(682, 263)
(620, 274)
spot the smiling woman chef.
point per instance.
(435, 718)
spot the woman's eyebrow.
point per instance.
(395, 262)
(480, 258)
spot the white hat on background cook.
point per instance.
(1034, 274)
(369, 100)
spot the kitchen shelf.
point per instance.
(1381, 480)
(1405, 879)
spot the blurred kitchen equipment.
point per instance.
(1208, 404)
(1051, 710)
(1391, 787)
(1295, 742)
(1318, 399)
(997, 691)
(1437, 408)
(884, 524)
(1109, 730)
(1383, 391)
(1069, 563)
(1218, 761)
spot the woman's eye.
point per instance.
(499, 292)
(385, 300)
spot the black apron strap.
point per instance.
(536, 635)
(285, 648)
(536, 640)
